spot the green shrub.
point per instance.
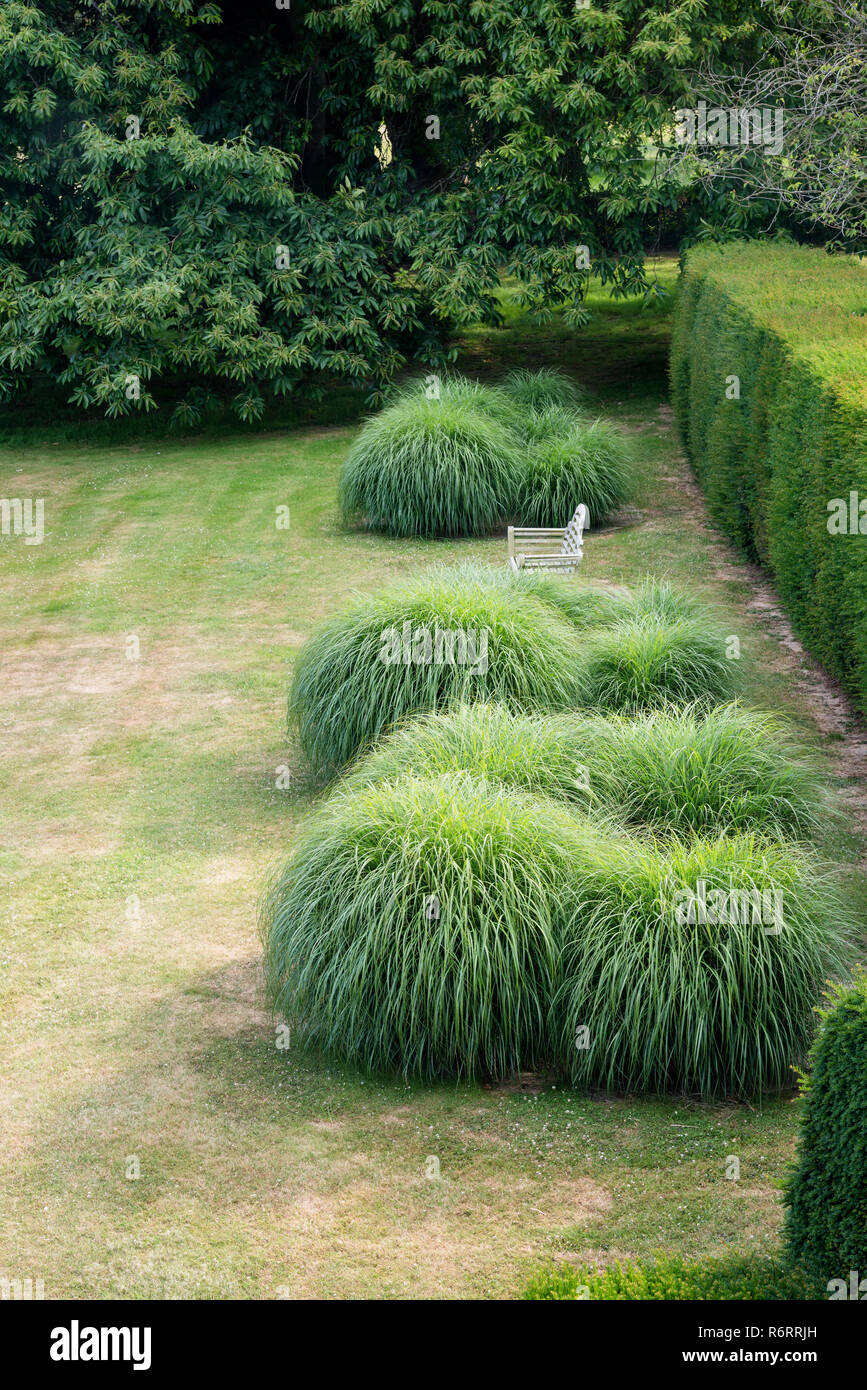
(672, 771)
(542, 389)
(671, 1279)
(652, 661)
(348, 688)
(418, 926)
(826, 1198)
(674, 999)
(432, 467)
(790, 322)
(588, 463)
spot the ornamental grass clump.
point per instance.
(698, 966)
(585, 605)
(542, 389)
(701, 771)
(419, 926)
(554, 422)
(445, 464)
(651, 661)
(585, 462)
(449, 636)
(672, 771)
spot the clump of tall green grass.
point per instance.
(530, 752)
(542, 389)
(449, 925)
(672, 771)
(651, 661)
(440, 465)
(554, 422)
(698, 966)
(700, 771)
(658, 598)
(590, 606)
(584, 462)
(585, 605)
(419, 926)
(364, 670)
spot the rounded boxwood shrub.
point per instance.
(450, 635)
(671, 770)
(419, 924)
(671, 1279)
(587, 462)
(826, 1197)
(651, 661)
(698, 966)
(541, 389)
(432, 467)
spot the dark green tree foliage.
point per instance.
(826, 1221)
(249, 240)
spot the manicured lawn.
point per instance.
(141, 819)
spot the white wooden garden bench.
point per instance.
(549, 547)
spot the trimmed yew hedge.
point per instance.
(826, 1197)
(790, 322)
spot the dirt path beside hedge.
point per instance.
(842, 729)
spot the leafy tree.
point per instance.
(813, 70)
(201, 200)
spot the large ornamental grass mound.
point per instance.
(700, 771)
(542, 389)
(698, 966)
(451, 925)
(583, 462)
(658, 598)
(419, 926)
(652, 661)
(585, 605)
(449, 636)
(530, 752)
(442, 465)
(554, 422)
(673, 771)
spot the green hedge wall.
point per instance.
(791, 323)
(826, 1220)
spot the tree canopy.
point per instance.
(249, 200)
